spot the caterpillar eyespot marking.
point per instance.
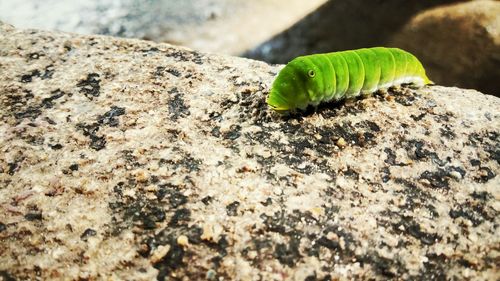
(342, 75)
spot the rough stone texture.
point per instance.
(125, 159)
(462, 44)
(221, 26)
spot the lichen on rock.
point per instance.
(133, 160)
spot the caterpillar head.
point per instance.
(295, 87)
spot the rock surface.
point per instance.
(462, 44)
(125, 159)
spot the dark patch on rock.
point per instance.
(215, 131)
(432, 210)
(482, 137)
(150, 50)
(352, 174)
(90, 130)
(286, 224)
(415, 196)
(229, 102)
(220, 246)
(49, 72)
(475, 212)
(130, 159)
(233, 133)
(176, 256)
(391, 157)
(169, 235)
(268, 202)
(27, 78)
(232, 209)
(288, 253)
(484, 175)
(388, 268)
(330, 244)
(50, 121)
(312, 277)
(360, 134)
(437, 179)
(34, 56)
(195, 57)
(434, 268)
(90, 86)
(181, 215)
(56, 146)
(174, 72)
(48, 102)
(412, 228)
(420, 153)
(15, 101)
(176, 106)
(457, 169)
(447, 132)
(3, 227)
(475, 162)
(13, 167)
(33, 216)
(73, 167)
(5, 276)
(19, 105)
(386, 174)
(483, 195)
(187, 162)
(465, 263)
(159, 71)
(275, 223)
(442, 118)
(32, 112)
(146, 212)
(172, 193)
(207, 200)
(494, 153)
(109, 118)
(370, 125)
(406, 98)
(419, 117)
(172, 260)
(89, 232)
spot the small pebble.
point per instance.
(183, 240)
(341, 143)
(159, 253)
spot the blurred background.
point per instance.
(457, 41)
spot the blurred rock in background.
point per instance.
(459, 44)
(218, 26)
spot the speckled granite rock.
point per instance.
(124, 159)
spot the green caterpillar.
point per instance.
(310, 80)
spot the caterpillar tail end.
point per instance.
(428, 81)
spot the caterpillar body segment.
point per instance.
(310, 80)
